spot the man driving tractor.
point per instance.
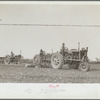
(12, 54)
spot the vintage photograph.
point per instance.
(50, 42)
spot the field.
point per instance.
(22, 74)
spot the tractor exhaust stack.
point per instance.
(78, 46)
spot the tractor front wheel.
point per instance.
(57, 61)
(84, 66)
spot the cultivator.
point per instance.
(72, 58)
(42, 59)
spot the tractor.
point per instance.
(74, 58)
(15, 59)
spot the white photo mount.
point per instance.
(32, 25)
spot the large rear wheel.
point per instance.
(57, 61)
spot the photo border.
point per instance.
(25, 90)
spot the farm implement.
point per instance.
(42, 59)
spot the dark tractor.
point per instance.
(42, 59)
(15, 59)
(72, 58)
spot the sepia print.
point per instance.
(49, 44)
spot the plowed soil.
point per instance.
(22, 74)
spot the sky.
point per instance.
(30, 39)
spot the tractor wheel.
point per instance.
(57, 61)
(84, 67)
(7, 60)
(36, 59)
